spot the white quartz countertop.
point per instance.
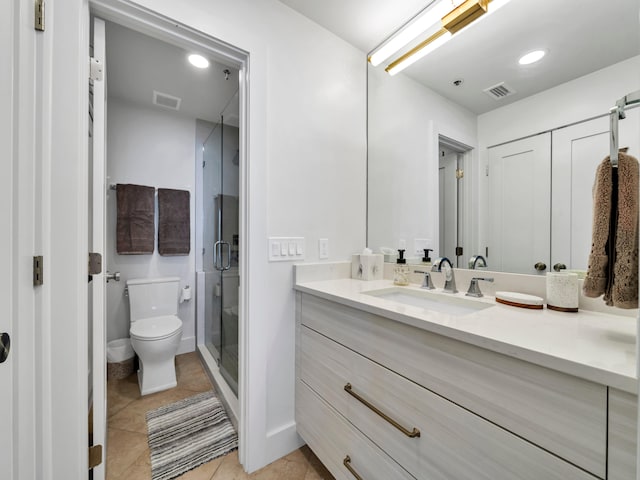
(595, 346)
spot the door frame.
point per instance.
(54, 429)
(150, 23)
(97, 304)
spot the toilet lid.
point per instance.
(155, 327)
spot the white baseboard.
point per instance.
(187, 345)
(281, 441)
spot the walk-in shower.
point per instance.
(219, 233)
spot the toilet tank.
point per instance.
(153, 297)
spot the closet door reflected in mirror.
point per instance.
(577, 152)
(519, 205)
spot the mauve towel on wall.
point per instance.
(135, 227)
(174, 222)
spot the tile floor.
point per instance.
(128, 452)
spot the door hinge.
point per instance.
(458, 251)
(38, 266)
(459, 173)
(204, 163)
(95, 69)
(486, 171)
(486, 252)
(95, 263)
(95, 456)
(39, 15)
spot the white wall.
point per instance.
(306, 172)
(405, 119)
(574, 101)
(153, 147)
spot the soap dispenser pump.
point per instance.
(401, 271)
(427, 259)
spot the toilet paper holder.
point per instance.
(185, 294)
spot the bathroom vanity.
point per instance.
(388, 390)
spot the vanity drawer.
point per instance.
(452, 443)
(623, 417)
(562, 414)
(334, 440)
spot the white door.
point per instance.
(448, 214)
(577, 151)
(97, 240)
(519, 202)
(6, 254)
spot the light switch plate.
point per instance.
(286, 249)
(323, 248)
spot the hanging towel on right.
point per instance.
(174, 222)
(613, 261)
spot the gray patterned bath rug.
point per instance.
(188, 433)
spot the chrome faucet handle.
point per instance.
(474, 288)
(426, 281)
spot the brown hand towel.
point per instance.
(174, 222)
(135, 225)
(613, 262)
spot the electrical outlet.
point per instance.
(323, 248)
(419, 244)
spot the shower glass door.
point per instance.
(221, 251)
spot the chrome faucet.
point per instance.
(473, 262)
(449, 278)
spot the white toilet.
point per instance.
(155, 330)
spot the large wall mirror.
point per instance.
(470, 153)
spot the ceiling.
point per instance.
(580, 36)
(137, 65)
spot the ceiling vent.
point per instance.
(499, 91)
(166, 101)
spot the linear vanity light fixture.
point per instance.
(428, 19)
(457, 20)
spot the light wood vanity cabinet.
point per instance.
(481, 415)
(623, 415)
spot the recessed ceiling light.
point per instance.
(532, 57)
(198, 61)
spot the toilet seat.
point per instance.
(155, 328)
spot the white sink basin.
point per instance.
(429, 300)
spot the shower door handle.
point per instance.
(217, 256)
(228, 265)
(217, 253)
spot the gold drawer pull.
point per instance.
(347, 463)
(409, 433)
